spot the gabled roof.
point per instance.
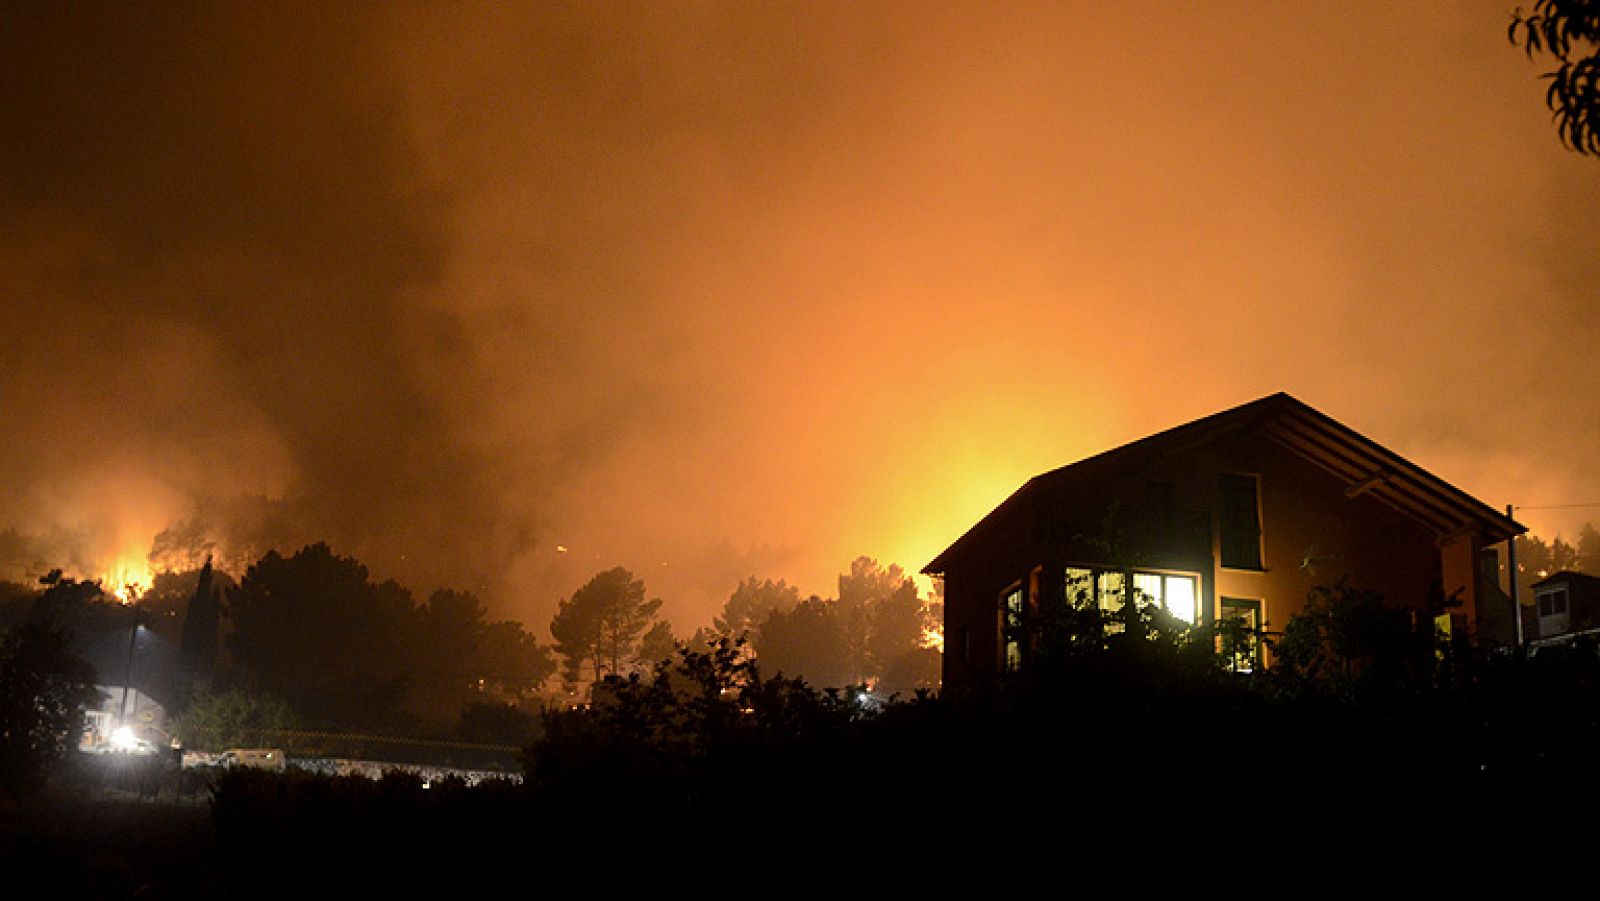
(1565, 577)
(1365, 467)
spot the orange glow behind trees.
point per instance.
(495, 297)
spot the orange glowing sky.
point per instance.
(711, 290)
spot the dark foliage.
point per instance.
(1122, 740)
(498, 724)
(696, 734)
(1569, 32)
(315, 631)
(807, 641)
(344, 652)
(601, 623)
(44, 688)
(217, 721)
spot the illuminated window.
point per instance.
(1011, 627)
(1109, 591)
(1240, 632)
(1178, 594)
(1239, 521)
(1108, 596)
(1182, 598)
(1080, 586)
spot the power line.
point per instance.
(1554, 506)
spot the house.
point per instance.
(1566, 606)
(1236, 515)
(121, 706)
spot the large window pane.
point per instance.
(1080, 586)
(1239, 521)
(1182, 599)
(1147, 588)
(1109, 594)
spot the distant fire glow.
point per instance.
(127, 578)
(746, 290)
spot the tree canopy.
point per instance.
(751, 603)
(340, 649)
(316, 631)
(806, 641)
(601, 623)
(44, 688)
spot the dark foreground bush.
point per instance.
(1083, 759)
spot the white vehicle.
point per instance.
(253, 758)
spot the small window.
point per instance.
(1239, 631)
(1080, 586)
(1011, 627)
(1239, 521)
(1109, 591)
(1553, 603)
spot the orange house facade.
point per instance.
(1236, 515)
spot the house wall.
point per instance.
(1313, 534)
(972, 601)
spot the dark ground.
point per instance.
(71, 844)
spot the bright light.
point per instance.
(123, 739)
(1181, 600)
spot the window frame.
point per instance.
(1127, 576)
(1257, 606)
(1228, 519)
(1549, 596)
(1011, 623)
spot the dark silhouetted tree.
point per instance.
(513, 660)
(449, 645)
(657, 645)
(197, 651)
(883, 617)
(1348, 637)
(601, 623)
(912, 670)
(315, 631)
(750, 605)
(1568, 31)
(492, 723)
(1563, 556)
(44, 689)
(861, 591)
(806, 641)
(899, 623)
(1588, 550)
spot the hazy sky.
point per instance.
(711, 290)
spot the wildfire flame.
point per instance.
(127, 577)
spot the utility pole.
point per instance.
(1511, 565)
(127, 675)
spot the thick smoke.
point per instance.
(497, 297)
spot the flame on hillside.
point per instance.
(127, 577)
